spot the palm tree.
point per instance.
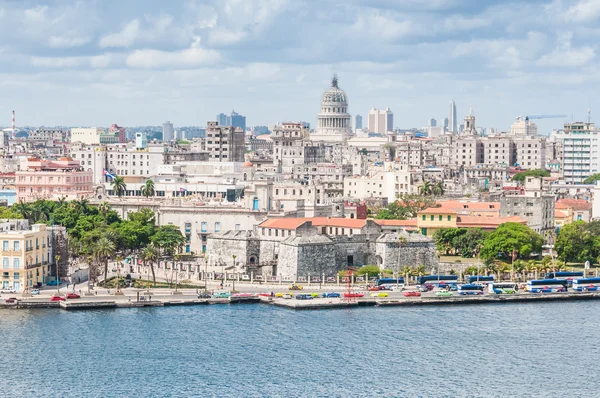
(148, 188)
(150, 255)
(24, 209)
(104, 208)
(119, 186)
(425, 189)
(438, 189)
(103, 250)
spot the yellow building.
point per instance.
(25, 254)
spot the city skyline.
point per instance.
(159, 62)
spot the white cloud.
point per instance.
(193, 56)
(583, 11)
(67, 42)
(571, 57)
(125, 38)
(224, 37)
(97, 61)
(375, 24)
(36, 14)
(100, 61)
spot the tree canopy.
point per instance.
(520, 177)
(464, 241)
(592, 179)
(511, 238)
(407, 206)
(579, 242)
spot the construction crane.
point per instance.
(526, 118)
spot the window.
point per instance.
(5, 245)
(203, 226)
(440, 217)
(423, 217)
(16, 245)
(449, 218)
(16, 263)
(432, 217)
(217, 226)
(5, 262)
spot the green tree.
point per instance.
(168, 238)
(426, 189)
(10, 213)
(370, 270)
(104, 249)
(119, 186)
(148, 188)
(576, 243)
(511, 238)
(592, 179)
(469, 243)
(438, 189)
(520, 177)
(150, 255)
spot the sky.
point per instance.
(142, 62)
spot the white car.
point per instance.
(35, 292)
(8, 290)
(287, 296)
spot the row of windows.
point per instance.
(6, 245)
(6, 263)
(432, 218)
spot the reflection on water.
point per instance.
(256, 350)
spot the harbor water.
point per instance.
(542, 350)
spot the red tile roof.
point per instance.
(575, 204)
(454, 206)
(397, 223)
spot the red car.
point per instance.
(373, 288)
(353, 295)
(72, 296)
(264, 294)
(412, 294)
(57, 298)
(11, 300)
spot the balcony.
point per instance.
(28, 249)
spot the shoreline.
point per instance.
(315, 304)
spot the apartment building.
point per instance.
(225, 143)
(25, 254)
(289, 140)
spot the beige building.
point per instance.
(25, 255)
(380, 121)
(288, 145)
(87, 135)
(468, 151)
(225, 143)
(523, 127)
(530, 152)
(499, 151)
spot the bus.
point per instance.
(391, 281)
(586, 284)
(481, 278)
(470, 289)
(437, 278)
(503, 288)
(566, 275)
(547, 285)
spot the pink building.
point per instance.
(122, 132)
(53, 179)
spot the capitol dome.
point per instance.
(333, 123)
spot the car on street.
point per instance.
(331, 295)
(7, 290)
(264, 294)
(57, 298)
(35, 292)
(279, 294)
(204, 296)
(373, 288)
(223, 294)
(295, 287)
(379, 294)
(444, 293)
(315, 295)
(72, 296)
(353, 295)
(412, 294)
(53, 283)
(11, 300)
(242, 295)
(304, 296)
(426, 287)
(287, 296)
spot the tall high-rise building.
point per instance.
(168, 131)
(381, 121)
(432, 122)
(223, 120)
(453, 123)
(238, 120)
(358, 122)
(446, 124)
(141, 140)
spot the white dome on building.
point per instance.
(333, 124)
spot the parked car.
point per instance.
(353, 295)
(373, 288)
(264, 294)
(11, 300)
(379, 294)
(57, 298)
(295, 287)
(444, 293)
(412, 294)
(72, 296)
(332, 295)
(315, 295)
(54, 283)
(279, 294)
(242, 295)
(287, 296)
(35, 292)
(222, 294)
(426, 287)
(8, 290)
(304, 296)
(204, 296)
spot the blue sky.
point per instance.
(137, 62)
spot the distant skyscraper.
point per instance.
(168, 131)
(141, 140)
(432, 122)
(238, 120)
(223, 120)
(445, 124)
(358, 122)
(381, 121)
(453, 123)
